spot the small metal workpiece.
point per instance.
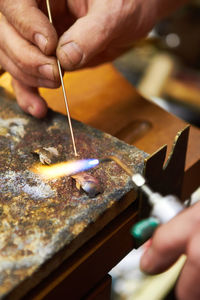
(88, 183)
(63, 88)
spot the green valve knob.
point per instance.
(144, 229)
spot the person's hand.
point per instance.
(26, 40)
(91, 32)
(180, 236)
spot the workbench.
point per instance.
(103, 99)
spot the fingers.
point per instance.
(21, 26)
(76, 47)
(26, 56)
(101, 25)
(170, 241)
(162, 253)
(29, 99)
(18, 74)
(188, 283)
(31, 23)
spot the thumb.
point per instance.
(31, 23)
(85, 39)
(170, 241)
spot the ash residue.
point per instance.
(13, 127)
(25, 182)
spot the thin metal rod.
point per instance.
(49, 11)
(67, 108)
(63, 88)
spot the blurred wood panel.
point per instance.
(183, 93)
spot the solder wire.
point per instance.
(63, 87)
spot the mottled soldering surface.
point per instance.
(40, 217)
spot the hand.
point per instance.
(91, 32)
(94, 32)
(24, 48)
(180, 236)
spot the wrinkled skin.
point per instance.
(99, 30)
(180, 236)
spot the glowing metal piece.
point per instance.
(65, 168)
(88, 183)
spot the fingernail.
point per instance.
(146, 261)
(73, 52)
(30, 110)
(47, 83)
(147, 244)
(47, 71)
(41, 41)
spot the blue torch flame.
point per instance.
(67, 168)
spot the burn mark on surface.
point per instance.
(25, 182)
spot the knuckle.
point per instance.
(26, 60)
(22, 26)
(17, 74)
(18, 17)
(11, 14)
(24, 78)
(21, 62)
(103, 33)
